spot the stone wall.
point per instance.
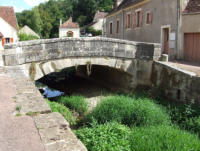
(174, 83)
(52, 49)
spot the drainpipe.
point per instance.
(123, 23)
(178, 29)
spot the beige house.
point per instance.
(155, 21)
(190, 32)
(69, 29)
(98, 21)
(28, 31)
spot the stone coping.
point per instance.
(88, 39)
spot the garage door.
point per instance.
(192, 47)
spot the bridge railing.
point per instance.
(59, 48)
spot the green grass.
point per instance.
(163, 138)
(77, 103)
(64, 111)
(129, 111)
(117, 137)
(107, 137)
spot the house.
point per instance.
(98, 21)
(28, 31)
(190, 32)
(9, 26)
(69, 29)
(154, 21)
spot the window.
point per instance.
(7, 40)
(110, 28)
(117, 31)
(70, 34)
(149, 18)
(139, 16)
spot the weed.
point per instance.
(18, 108)
(77, 103)
(128, 111)
(64, 111)
(18, 114)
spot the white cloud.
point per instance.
(17, 9)
(34, 2)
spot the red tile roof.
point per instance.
(1, 35)
(8, 14)
(124, 4)
(69, 24)
(193, 6)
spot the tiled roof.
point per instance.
(124, 4)
(1, 35)
(69, 24)
(101, 14)
(193, 6)
(8, 14)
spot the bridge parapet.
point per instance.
(60, 48)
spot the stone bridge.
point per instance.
(41, 57)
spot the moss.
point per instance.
(32, 71)
(53, 65)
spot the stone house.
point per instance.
(69, 29)
(9, 26)
(154, 21)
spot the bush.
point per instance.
(107, 137)
(76, 103)
(163, 138)
(123, 109)
(94, 32)
(24, 37)
(64, 111)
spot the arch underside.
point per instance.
(37, 70)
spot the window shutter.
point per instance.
(141, 18)
(3, 41)
(134, 20)
(11, 40)
(150, 17)
(125, 20)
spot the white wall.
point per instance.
(98, 25)
(63, 32)
(8, 31)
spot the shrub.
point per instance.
(24, 37)
(64, 111)
(129, 111)
(94, 32)
(107, 137)
(76, 103)
(163, 138)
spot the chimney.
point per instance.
(60, 22)
(115, 4)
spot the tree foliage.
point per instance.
(45, 18)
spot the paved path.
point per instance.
(192, 67)
(16, 133)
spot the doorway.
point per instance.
(165, 40)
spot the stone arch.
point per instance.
(44, 68)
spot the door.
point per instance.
(192, 47)
(165, 40)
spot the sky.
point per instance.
(20, 5)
